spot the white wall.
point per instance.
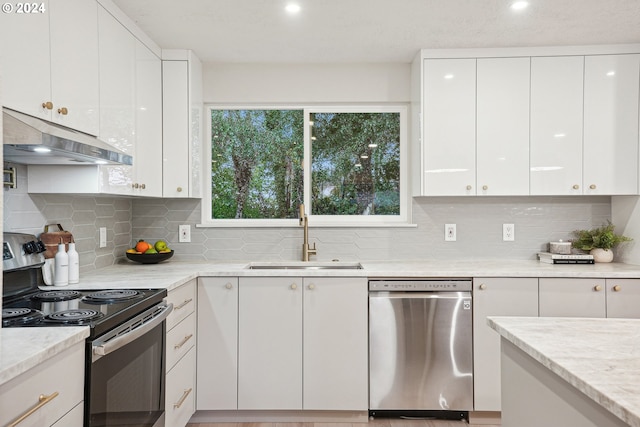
(306, 83)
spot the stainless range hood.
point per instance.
(33, 141)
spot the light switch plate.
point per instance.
(184, 233)
(103, 237)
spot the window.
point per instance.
(347, 165)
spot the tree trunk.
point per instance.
(242, 177)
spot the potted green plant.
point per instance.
(599, 241)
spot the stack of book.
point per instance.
(550, 258)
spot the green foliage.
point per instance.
(601, 237)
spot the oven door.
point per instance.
(126, 374)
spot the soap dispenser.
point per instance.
(61, 266)
(74, 263)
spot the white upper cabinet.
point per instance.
(611, 124)
(148, 148)
(52, 72)
(502, 140)
(449, 134)
(182, 124)
(556, 125)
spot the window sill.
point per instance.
(293, 223)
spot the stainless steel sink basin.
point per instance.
(305, 265)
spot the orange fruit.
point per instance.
(142, 246)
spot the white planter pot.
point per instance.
(602, 255)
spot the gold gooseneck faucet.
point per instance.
(306, 250)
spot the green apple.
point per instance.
(161, 245)
(151, 251)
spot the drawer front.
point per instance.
(180, 340)
(73, 418)
(184, 303)
(64, 374)
(181, 390)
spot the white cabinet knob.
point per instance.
(597, 288)
(312, 286)
(576, 187)
(617, 288)
(592, 187)
(482, 287)
(294, 286)
(228, 286)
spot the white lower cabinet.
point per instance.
(496, 297)
(181, 356)
(61, 379)
(572, 297)
(623, 298)
(217, 348)
(282, 343)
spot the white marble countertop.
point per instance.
(599, 357)
(173, 274)
(24, 348)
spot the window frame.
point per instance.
(401, 220)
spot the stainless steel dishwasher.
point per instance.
(420, 347)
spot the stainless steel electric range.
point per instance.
(125, 351)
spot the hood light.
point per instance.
(42, 150)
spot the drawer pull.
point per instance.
(185, 302)
(617, 288)
(182, 399)
(312, 287)
(294, 286)
(43, 400)
(482, 287)
(183, 342)
(228, 286)
(48, 105)
(597, 288)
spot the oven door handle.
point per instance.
(104, 348)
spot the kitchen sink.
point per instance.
(305, 265)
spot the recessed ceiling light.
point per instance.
(292, 8)
(519, 5)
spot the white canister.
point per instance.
(61, 269)
(560, 247)
(74, 264)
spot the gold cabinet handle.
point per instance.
(294, 286)
(312, 286)
(182, 399)
(42, 400)
(485, 187)
(48, 105)
(179, 189)
(136, 185)
(183, 342)
(597, 288)
(576, 187)
(63, 111)
(592, 187)
(469, 187)
(143, 186)
(617, 288)
(185, 302)
(228, 286)
(482, 287)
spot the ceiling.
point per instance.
(357, 31)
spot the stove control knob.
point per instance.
(33, 247)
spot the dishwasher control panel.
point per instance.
(419, 285)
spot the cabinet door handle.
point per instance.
(228, 286)
(143, 186)
(576, 187)
(183, 342)
(63, 111)
(485, 187)
(179, 189)
(482, 287)
(597, 288)
(185, 302)
(294, 286)
(592, 187)
(469, 187)
(42, 400)
(312, 286)
(179, 403)
(48, 105)
(617, 288)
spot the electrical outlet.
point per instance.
(450, 232)
(184, 232)
(103, 237)
(508, 232)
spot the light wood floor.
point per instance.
(374, 423)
